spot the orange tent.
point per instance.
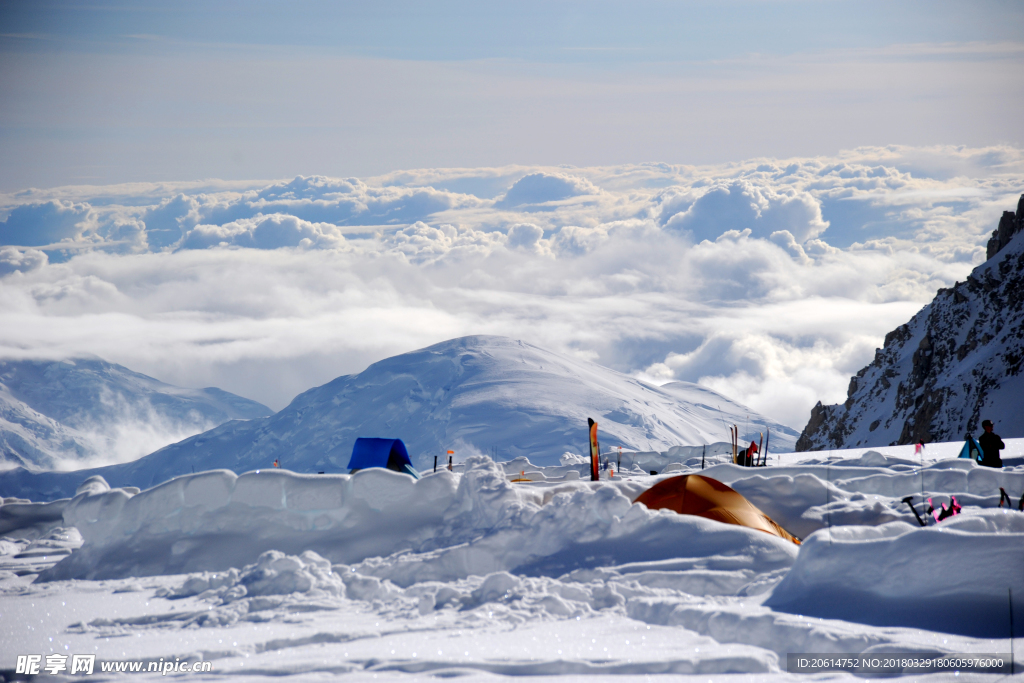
(693, 494)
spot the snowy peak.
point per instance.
(79, 413)
(474, 395)
(957, 362)
(491, 395)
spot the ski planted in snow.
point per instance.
(595, 450)
(734, 433)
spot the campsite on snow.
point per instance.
(499, 529)
(458, 510)
(579, 341)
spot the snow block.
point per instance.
(213, 521)
(954, 577)
(30, 520)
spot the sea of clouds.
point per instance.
(771, 281)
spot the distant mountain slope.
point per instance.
(957, 362)
(482, 394)
(86, 412)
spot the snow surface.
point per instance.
(480, 394)
(85, 412)
(275, 573)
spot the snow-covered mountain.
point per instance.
(481, 394)
(79, 413)
(956, 363)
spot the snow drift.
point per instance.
(864, 560)
(215, 520)
(956, 576)
(466, 572)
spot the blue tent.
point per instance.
(971, 449)
(387, 453)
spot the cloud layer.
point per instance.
(771, 281)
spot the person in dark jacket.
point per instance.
(990, 444)
(745, 457)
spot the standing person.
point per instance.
(990, 444)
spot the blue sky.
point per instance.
(128, 91)
(609, 32)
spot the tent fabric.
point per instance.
(971, 450)
(694, 494)
(388, 453)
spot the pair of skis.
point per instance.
(945, 512)
(954, 507)
(451, 456)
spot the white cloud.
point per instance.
(167, 223)
(349, 201)
(574, 240)
(527, 236)
(541, 188)
(770, 373)
(265, 232)
(421, 243)
(785, 239)
(770, 280)
(125, 235)
(743, 205)
(14, 260)
(37, 225)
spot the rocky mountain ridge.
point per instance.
(957, 362)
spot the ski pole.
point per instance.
(1004, 496)
(908, 500)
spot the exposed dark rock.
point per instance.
(956, 362)
(1009, 225)
(809, 436)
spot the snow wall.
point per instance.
(954, 577)
(864, 558)
(474, 523)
